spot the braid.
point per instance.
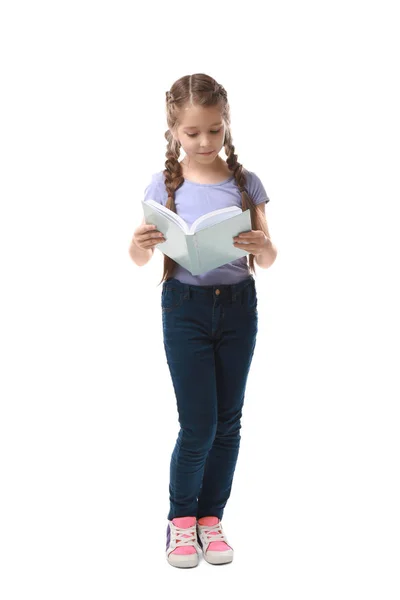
(258, 221)
(173, 179)
(234, 165)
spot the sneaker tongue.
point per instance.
(184, 522)
(208, 521)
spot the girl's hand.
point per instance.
(257, 241)
(147, 236)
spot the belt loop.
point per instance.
(186, 291)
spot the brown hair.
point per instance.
(202, 90)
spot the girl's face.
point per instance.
(201, 130)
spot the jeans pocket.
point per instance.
(171, 299)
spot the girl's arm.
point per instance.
(139, 256)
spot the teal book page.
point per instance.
(214, 245)
(175, 245)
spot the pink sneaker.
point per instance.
(182, 549)
(213, 541)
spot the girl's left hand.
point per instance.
(257, 241)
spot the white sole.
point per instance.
(218, 558)
(183, 560)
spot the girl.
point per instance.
(210, 321)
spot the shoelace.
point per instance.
(214, 533)
(188, 535)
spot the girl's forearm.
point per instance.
(139, 256)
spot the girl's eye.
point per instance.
(194, 134)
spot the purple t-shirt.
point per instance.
(192, 200)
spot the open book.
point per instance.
(207, 243)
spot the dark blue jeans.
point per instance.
(209, 339)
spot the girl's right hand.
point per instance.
(147, 236)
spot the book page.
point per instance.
(214, 245)
(168, 214)
(214, 217)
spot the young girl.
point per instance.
(210, 321)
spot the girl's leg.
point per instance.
(233, 356)
(190, 357)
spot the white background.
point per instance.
(88, 416)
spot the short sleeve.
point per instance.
(255, 188)
(156, 189)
